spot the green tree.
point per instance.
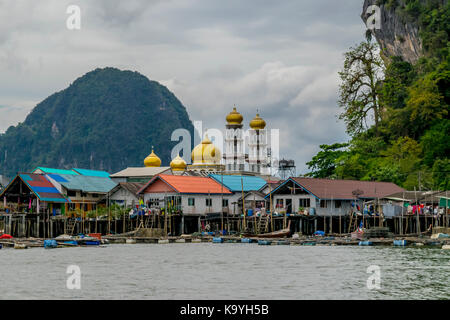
(360, 83)
(323, 164)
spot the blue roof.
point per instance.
(232, 182)
(42, 187)
(92, 173)
(84, 183)
(57, 171)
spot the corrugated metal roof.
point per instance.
(343, 189)
(84, 183)
(57, 171)
(92, 173)
(188, 184)
(234, 182)
(140, 172)
(42, 188)
(132, 187)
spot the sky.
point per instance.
(278, 57)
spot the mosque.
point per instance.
(207, 158)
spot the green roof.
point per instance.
(84, 183)
(92, 173)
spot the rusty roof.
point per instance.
(343, 189)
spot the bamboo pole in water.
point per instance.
(243, 203)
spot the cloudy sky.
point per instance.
(281, 57)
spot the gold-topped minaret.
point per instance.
(257, 123)
(178, 164)
(234, 117)
(152, 160)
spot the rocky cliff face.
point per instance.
(397, 36)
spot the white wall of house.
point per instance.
(331, 206)
(124, 197)
(199, 206)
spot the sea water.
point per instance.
(225, 271)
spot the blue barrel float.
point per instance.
(92, 243)
(264, 242)
(49, 244)
(283, 243)
(310, 243)
(217, 240)
(246, 240)
(400, 243)
(71, 242)
(365, 243)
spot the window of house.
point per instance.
(209, 202)
(225, 203)
(153, 202)
(337, 203)
(304, 203)
(280, 203)
(71, 193)
(323, 203)
(95, 195)
(191, 202)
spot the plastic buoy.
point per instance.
(217, 240)
(50, 244)
(400, 243)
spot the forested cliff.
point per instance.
(394, 98)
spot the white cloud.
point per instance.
(280, 57)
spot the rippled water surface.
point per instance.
(225, 271)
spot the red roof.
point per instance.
(190, 184)
(343, 189)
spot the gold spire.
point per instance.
(178, 164)
(152, 160)
(257, 123)
(205, 153)
(234, 117)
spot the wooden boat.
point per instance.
(276, 234)
(20, 246)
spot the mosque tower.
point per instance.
(234, 142)
(257, 156)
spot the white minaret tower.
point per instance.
(257, 156)
(234, 142)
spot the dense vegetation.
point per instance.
(399, 124)
(108, 119)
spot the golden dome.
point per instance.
(152, 160)
(205, 153)
(178, 164)
(258, 123)
(234, 117)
